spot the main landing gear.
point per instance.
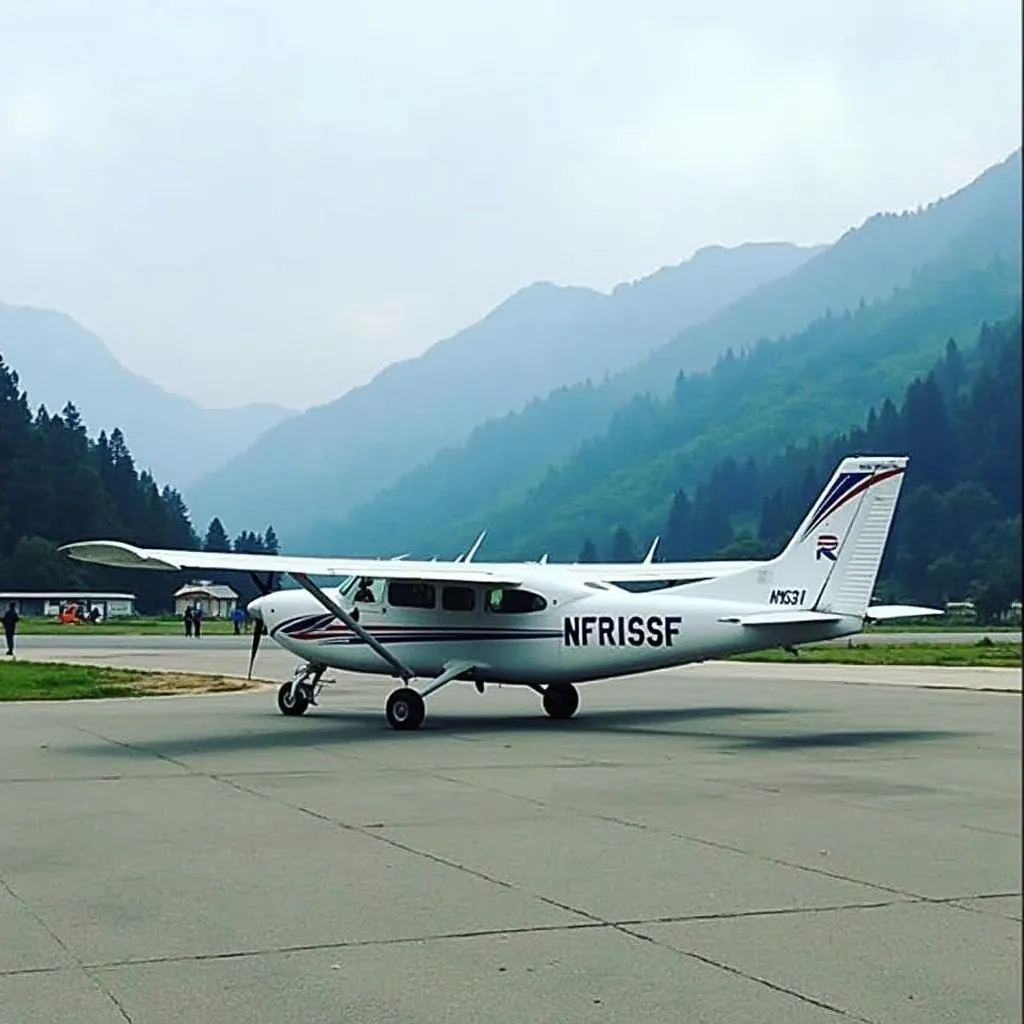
(561, 700)
(405, 709)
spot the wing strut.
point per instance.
(332, 606)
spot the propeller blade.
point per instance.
(256, 634)
(264, 587)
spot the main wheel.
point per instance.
(561, 700)
(290, 705)
(405, 709)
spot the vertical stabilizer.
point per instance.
(831, 563)
(849, 587)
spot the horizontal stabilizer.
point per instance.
(884, 612)
(795, 618)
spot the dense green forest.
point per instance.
(59, 485)
(957, 532)
(751, 403)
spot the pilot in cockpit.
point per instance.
(364, 594)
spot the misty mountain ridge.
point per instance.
(333, 457)
(508, 471)
(58, 360)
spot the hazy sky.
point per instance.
(270, 202)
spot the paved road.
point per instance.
(761, 844)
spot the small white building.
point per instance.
(217, 600)
(50, 604)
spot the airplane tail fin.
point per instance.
(831, 563)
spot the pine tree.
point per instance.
(677, 543)
(270, 544)
(622, 549)
(216, 537)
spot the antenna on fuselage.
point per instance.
(474, 548)
(649, 557)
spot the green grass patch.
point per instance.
(973, 655)
(938, 625)
(43, 680)
(120, 627)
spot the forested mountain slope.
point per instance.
(57, 485)
(333, 457)
(505, 476)
(60, 361)
(957, 531)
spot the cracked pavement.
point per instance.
(696, 846)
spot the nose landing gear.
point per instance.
(294, 698)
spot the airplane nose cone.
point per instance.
(255, 609)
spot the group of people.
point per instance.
(193, 619)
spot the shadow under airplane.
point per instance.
(343, 729)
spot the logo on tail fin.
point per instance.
(827, 544)
(847, 487)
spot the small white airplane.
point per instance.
(550, 627)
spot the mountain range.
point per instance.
(588, 456)
(323, 463)
(58, 360)
(567, 412)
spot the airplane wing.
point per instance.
(127, 556)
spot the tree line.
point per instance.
(957, 530)
(57, 485)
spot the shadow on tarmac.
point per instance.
(320, 728)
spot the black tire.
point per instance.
(287, 705)
(405, 709)
(561, 700)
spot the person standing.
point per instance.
(197, 621)
(11, 620)
(187, 619)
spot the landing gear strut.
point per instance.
(561, 700)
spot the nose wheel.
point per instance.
(293, 700)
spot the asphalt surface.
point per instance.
(724, 843)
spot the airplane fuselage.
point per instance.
(578, 635)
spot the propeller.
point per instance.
(264, 587)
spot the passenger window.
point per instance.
(458, 599)
(409, 594)
(504, 600)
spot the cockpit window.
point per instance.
(412, 594)
(508, 600)
(367, 590)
